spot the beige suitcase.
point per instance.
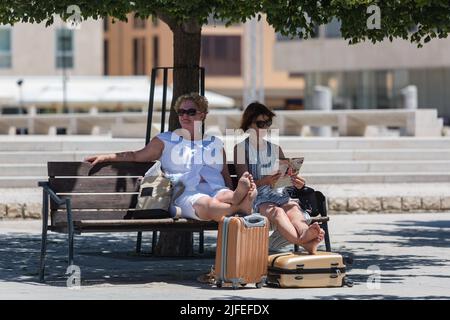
(302, 270)
(242, 251)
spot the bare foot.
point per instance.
(312, 245)
(242, 189)
(246, 206)
(311, 233)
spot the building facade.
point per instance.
(135, 47)
(366, 75)
(33, 49)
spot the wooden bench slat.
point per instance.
(94, 185)
(144, 225)
(60, 217)
(99, 201)
(72, 169)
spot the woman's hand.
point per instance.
(298, 181)
(268, 180)
(98, 158)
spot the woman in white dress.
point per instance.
(196, 161)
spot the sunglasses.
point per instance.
(190, 112)
(263, 124)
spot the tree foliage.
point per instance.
(429, 18)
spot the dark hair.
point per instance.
(252, 111)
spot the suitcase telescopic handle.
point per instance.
(254, 220)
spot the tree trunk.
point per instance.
(186, 52)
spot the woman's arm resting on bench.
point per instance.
(151, 152)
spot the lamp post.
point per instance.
(20, 83)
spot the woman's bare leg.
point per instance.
(246, 206)
(237, 196)
(305, 233)
(280, 221)
(208, 208)
(309, 237)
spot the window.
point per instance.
(333, 29)
(5, 48)
(139, 23)
(221, 55)
(64, 48)
(105, 57)
(139, 56)
(155, 51)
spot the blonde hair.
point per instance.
(200, 101)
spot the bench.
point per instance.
(81, 198)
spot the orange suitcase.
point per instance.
(242, 250)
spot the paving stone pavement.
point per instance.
(411, 252)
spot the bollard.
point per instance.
(409, 97)
(322, 100)
(409, 102)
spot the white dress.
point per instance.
(196, 164)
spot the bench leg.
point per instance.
(327, 236)
(139, 242)
(71, 231)
(154, 240)
(201, 242)
(324, 213)
(44, 236)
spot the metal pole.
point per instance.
(164, 100)
(20, 83)
(150, 106)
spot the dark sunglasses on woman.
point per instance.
(263, 124)
(189, 112)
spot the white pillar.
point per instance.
(409, 97)
(253, 62)
(322, 101)
(93, 110)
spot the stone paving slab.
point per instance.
(412, 252)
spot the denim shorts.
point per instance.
(280, 197)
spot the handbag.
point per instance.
(155, 191)
(307, 199)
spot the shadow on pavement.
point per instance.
(411, 234)
(103, 259)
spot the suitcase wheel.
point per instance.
(243, 284)
(348, 282)
(219, 284)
